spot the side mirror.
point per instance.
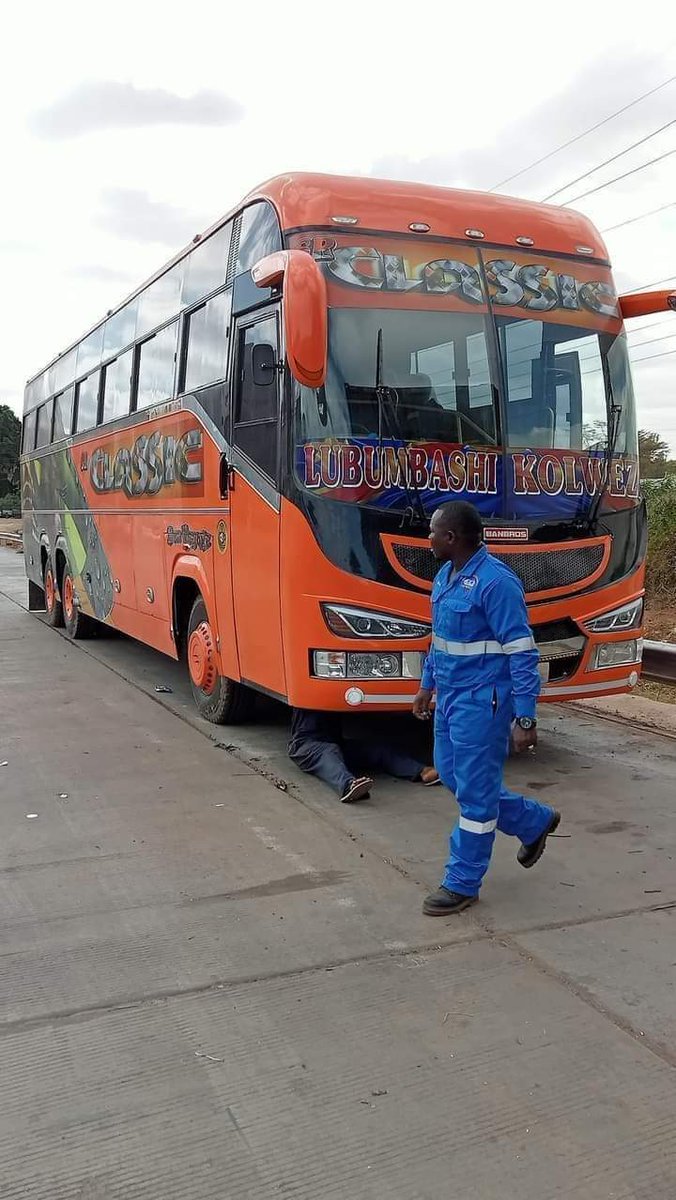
(642, 304)
(305, 311)
(263, 364)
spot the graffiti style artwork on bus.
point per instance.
(55, 476)
(366, 472)
(509, 281)
(151, 464)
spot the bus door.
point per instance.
(255, 501)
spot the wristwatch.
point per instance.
(525, 723)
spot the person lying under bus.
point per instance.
(318, 747)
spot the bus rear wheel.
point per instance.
(77, 624)
(53, 606)
(219, 700)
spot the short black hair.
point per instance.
(463, 519)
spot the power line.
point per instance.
(662, 354)
(651, 163)
(652, 325)
(650, 341)
(655, 283)
(640, 217)
(578, 137)
(608, 161)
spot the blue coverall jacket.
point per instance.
(483, 665)
(481, 635)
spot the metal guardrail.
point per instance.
(13, 540)
(659, 662)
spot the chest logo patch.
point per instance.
(469, 583)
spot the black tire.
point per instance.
(53, 606)
(77, 624)
(225, 702)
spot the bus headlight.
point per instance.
(357, 664)
(629, 616)
(617, 654)
(346, 621)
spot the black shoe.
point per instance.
(529, 855)
(357, 789)
(443, 903)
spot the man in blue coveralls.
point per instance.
(483, 666)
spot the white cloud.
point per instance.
(98, 105)
(131, 214)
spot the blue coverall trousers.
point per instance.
(471, 743)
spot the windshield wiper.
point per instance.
(386, 408)
(614, 418)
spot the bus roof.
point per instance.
(310, 201)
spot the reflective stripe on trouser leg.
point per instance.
(471, 749)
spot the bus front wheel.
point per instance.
(53, 606)
(219, 700)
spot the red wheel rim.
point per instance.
(50, 591)
(201, 660)
(68, 597)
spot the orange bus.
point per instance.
(237, 464)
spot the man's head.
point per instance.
(455, 532)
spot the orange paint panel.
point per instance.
(306, 200)
(116, 535)
(255, 534)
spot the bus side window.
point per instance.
(29, 432)
(256, 402)
(63, 414)
(44, 435)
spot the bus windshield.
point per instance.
(401, 379)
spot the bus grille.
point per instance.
(538, 570)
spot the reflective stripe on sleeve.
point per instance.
(477, 826)
(519, 645)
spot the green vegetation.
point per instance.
(10, 440)
(660, 497)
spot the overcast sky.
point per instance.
(125, 131)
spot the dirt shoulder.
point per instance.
(10, 524)
(660, 621)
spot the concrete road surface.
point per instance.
(214, 988)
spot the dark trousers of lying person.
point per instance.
(319, 748)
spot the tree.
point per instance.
(653, 455)
(10, 442)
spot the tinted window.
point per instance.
(63, 413)
(117, 387)
(205, 266)
(36, 391)
(256, 411)
(259, 236)
(556, 388)
(44, 435)
(64, 370)
(50, 380)
(120, 329)
(156, 370)
(207, 354)
(89, 351)
(160, 301)
(87, 402)
(29, 433)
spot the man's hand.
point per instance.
(524, 739)
(422, 704)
